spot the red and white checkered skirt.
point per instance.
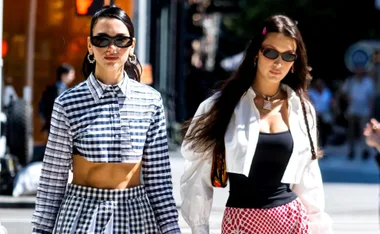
(290, 218)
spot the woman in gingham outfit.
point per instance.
(107, 130)
(262, 129)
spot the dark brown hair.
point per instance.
(63, 69)
(209, 129)
(114, 12)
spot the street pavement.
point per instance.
(337, 168)
(351, 191)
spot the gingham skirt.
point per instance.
(290, 218)
(88, 210)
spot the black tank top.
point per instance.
(263, 187)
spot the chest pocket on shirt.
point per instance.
(138, 130)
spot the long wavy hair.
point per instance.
(207, 133)
(113, 12)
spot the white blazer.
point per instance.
(241, 138)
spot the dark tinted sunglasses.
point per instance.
(273, 54)
(105, 41)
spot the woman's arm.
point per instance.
(310, 190)
(157, 174)
(196, 188)
(372, 134)
(55, 171)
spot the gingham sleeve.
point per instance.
(54, 174)
(157, 174)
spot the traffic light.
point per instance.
(89, 7)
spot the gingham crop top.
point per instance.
(107, 123)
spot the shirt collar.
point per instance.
(98, 89)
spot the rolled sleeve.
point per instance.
(310, 192)
(55, 171)
(196, 188)
(157, 174)
(197, 195)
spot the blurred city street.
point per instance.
(186, 50)
(352, 206)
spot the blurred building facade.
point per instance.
(60, 35)
(177, 43)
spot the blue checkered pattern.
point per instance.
(119, 211)
(107, 123)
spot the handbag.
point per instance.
(219, 176)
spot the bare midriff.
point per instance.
(105, 175)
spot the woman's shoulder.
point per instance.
(140, 90)
(73, 92)
(211, 99)
(208, 102)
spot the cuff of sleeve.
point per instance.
(321, 225)
(39, 231)
(200, 229)
(171, 228)
(3, 230)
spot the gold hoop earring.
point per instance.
(132, 59)
(89, 58)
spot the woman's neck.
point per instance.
(266, 88)
(109, 77)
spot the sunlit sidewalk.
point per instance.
(352, 206)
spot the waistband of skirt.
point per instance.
(105, 194)
(294, 204)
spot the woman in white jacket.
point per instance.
(260, 132)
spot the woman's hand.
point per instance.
(372, 134)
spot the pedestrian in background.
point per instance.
(107, 130)
(321, 97)
(65, 75)
(260, 132)
(9, 91)
(360, 93)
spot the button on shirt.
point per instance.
(107, 123)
